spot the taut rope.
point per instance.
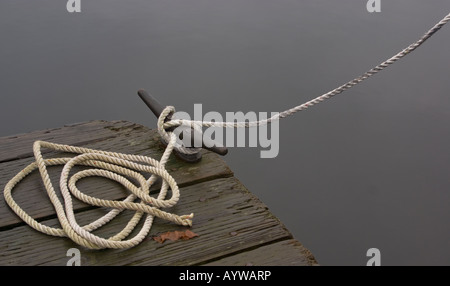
(321, 98)
(116, 166)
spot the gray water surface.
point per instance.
(367, 169)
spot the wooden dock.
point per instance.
(233, 226)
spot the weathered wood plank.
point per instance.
(19, 146)
(283, 253)
(228, 219)
(234, 227)
(132, 139)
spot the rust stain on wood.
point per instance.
(174, 235)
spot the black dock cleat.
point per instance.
(157, 109)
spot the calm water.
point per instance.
(369, 168)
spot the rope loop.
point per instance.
(114, 166)
(164, 125)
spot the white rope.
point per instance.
(118, 166)
(114, 166)
(319, 99)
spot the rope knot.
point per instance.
(170, 129)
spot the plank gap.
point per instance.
(240, 251)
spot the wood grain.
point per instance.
(233, 226)
(132, 140)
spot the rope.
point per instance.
(114, 166)
(118, 166)
(319, 99)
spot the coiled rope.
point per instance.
(118, 166)
(114, 166)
